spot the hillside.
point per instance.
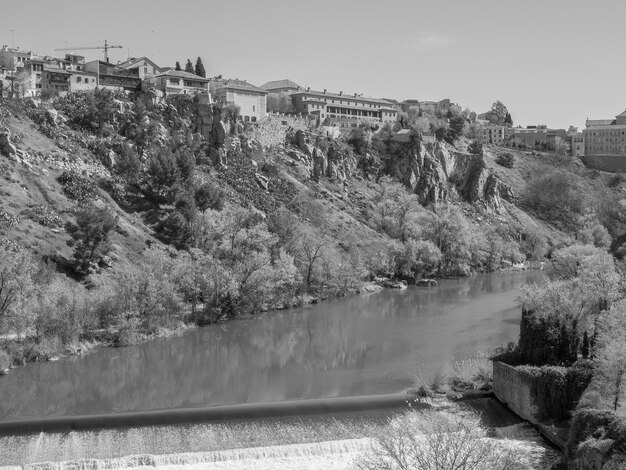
(208, 216)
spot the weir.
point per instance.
(207, 414)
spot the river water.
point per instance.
(363, 345)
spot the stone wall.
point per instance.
(611, 163)
(514, 389)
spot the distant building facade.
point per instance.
(143, 66)
(112, 77)
(605, 137)
(539, 136)
(339, 110)
(251, 100)
(497, 135)
(178, 82)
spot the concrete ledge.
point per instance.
(205, 414)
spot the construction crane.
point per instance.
(106, 48)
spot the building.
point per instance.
(251, 100)
(576, 141)
(13, 59)
(539, 136)
(281, 86)
(605, 137)
(144, 67)
(497, 135)
(177, 82)
(113, 77)
(81, 80)
(339, 110)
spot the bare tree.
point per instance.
(435, 440)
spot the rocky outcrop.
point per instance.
(478, 184)
(6, 147)
(433, 172)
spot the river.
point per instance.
(363, 345)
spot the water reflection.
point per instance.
(357, 346)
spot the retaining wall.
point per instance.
(611, 163)
(513, 388)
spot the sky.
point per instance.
(554, 62)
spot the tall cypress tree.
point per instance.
(178, 67)
(200, 68)
(189, 67)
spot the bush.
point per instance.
(77, 187)
(5, 360)
(597, 433)
(475, 148)
(557, 197)
(208, 196)
(507, 160)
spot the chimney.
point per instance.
(324, 90)
(355, 95)
(341, 93)
(308, 88)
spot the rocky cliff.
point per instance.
(434, 171)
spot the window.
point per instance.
(174, 81)
(253, 109)
(79, 79)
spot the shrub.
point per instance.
(507, 160)
(5, 360)
(476, 147)
(597, 432)
(91, 236)
(43, 215)
(208, 196)
(77, 187)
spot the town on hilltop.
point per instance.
(27, 74)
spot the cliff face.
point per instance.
(434, 172)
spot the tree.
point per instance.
(498, 113)
(438, 440)
(279, 103)
(17, 271)
(446, 227)
(457, 128)
(91, 236)
(475, 147)
(561, 147)
(189, 67)
(178, 67)
(209, 196)
(162, 175)
(610, 354)
(508, 119)
(199, 70)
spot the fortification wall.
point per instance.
(611, 163)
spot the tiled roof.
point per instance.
(241, 85)
(183, 74)
(622, 114)
(321, 94)
(599, 122)
(286, 83)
